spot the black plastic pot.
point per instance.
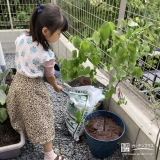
(102, 148)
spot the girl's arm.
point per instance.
(49, 73)
(52, 81)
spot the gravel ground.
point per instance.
(63, 143)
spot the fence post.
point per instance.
(2, 60)
(10, 17)
(121, 11)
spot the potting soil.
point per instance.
(103, 128)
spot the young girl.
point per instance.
(28, 101)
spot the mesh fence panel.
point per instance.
(20, 11)
(87, 16)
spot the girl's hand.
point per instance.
(57, 88)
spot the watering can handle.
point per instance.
(68, 86)
(65, 92)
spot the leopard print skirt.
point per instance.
(29, 109)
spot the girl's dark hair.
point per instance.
(50, 17)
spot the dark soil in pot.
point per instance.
(103, 128)
(8, 135)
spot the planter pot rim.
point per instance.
(105, 140)
(14, 146)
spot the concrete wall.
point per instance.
(7, 39)
(139, 129)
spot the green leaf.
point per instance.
(146, 47)
(123, 23)
(72, 74)
(92, 73)
(89, 39)
(108, 94)
(113, 79)
(148, 24)
(95, 60)
(133, 59)
(137, 19)
(3, 87)
(114, 35)
(113, 90)
(121, 51)
(131, 23)
(105, 32)
(144, 53)
(3, 114)
(4, 74)
(137, 31)
(105, 43)
(74, 54)
(64, 73)
(137, 72)
(132, 48)
(122, 59)
(108, 68)
(82, 55)
(157, 89)
(76, 42)
(122, 37)
(137, 44)
(92, 48)
(2, 97)
(111, 26)
(76, 63)
(84, 46)
(87, 70)
(121, 73)
(144, 91)
(96, 37)
(129, 33)
(151, 37)
(131, 68)
(65, 63)
(79, 115)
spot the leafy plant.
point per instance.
(79, 115)
(125, 51)
(152, 61)
(3, 93)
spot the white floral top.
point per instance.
(30, 56)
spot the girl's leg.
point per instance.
(49, 154)
(48, 147)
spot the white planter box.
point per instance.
(12, 151)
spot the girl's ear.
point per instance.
(45, 31)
